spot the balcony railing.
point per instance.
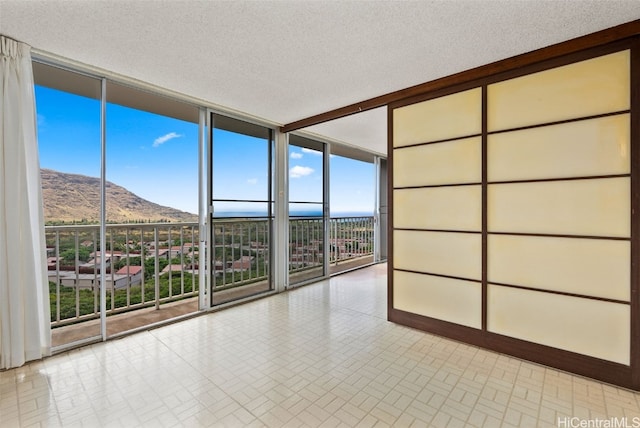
(350, 238)
(150, 264)
(146, 265)
(241, 252)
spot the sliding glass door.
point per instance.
(307, 210)
(241, 209)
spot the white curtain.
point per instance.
(25, 328)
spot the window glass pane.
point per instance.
(240, 209)
(352, 187)
(306, 198)
(305, 210)
(240, 168)
(241, 232)
(69, 149)
(152, 165)
(305, 175)
(152, 197)
(68, 121)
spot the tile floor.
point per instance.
(322, 355)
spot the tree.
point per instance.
(150, 266)
(69, 256)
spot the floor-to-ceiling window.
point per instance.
(307, 216)
(241, 209)
(152, 249)
(141, 263)
(353, 207)
(333, 206)
(134, 159)
(69, 138)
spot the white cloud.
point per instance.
(161, 140)
(252, 181)
(310, 151)
(296, 155)
(300, 171)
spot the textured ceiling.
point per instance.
(286, 60)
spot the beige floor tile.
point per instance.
(322, 355)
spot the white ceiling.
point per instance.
(287, 60)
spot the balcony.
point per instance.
(152, 269)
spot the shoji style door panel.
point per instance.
(569, 185)
(437, 197)
(513, 213)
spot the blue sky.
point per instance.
(156, 157)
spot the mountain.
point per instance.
(74, 197)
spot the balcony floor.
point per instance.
(319, 355)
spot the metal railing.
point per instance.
(349, 238)
(241, 252)
(149, 264)
(305, 243)
(146, 265)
